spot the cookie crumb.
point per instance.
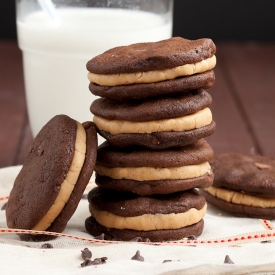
(137, 257)
(86, 254)
(46, 245)
(227, 260)
(262, 165)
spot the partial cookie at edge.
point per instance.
(240, 210)
(251, 174)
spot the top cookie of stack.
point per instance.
(162, 86)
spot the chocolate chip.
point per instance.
(192, 237)
(4, 206)
(146, 240)
(101, 260)
(100, 237)
(227, 260)
(266, 241)
(136, 239)
(84, 197)
(86, 262)
(25, 237)
(137, 257)
(86, 254)
(46, 245)
(96, 261)
(166, 261)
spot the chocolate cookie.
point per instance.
(156, 123)
(159, 140)
(178, 85)
(147, 172)
(61, 146)
(144, 57)
(184, 210)
(240, 210)
(96, 229)
(252, 175)
(192, 154)
(150, 187)
(243, 185)
(152, 109)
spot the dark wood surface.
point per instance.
(243, 101)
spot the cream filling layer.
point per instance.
(185, 123)
(148, 222)
(240, 198)
(68, 184)
(154, 173)
(153, 76)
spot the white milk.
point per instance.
(55, 58)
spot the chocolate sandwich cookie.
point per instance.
(175, 86)
(152, 62)
(125, 216)
(53, 178)
(157, 123)
(152, 109)
(145, 172)
(243, 185)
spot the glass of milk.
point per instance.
(59, 38)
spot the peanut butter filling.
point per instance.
(68, 184)
(189, 122)
(148, 222)
(152, 76)
(240, 198)
(154, 173)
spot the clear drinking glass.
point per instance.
(59, 37)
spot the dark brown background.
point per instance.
(218, 19)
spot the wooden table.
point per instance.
(243, 101)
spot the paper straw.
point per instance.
(49, 8)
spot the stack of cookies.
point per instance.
(154, 113)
